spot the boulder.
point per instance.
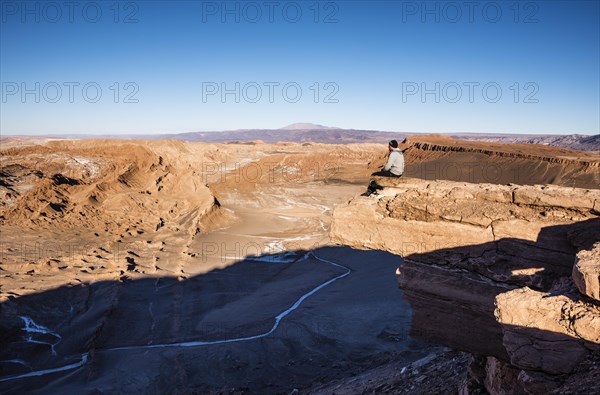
(586, 272)
(548, 331)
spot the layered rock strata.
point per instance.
(508, 273)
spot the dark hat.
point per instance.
(403, 146)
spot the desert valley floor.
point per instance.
(153, 266)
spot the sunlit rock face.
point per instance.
(586, 272)
(488, 270)
(548, 331)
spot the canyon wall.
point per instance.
(435, 157)
(508, 273)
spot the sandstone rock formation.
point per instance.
(586, 272)
(95, 210)
(429, 219)
(548, 331)
(487, 270)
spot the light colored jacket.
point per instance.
(395, 162)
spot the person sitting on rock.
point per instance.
(395, 163)
(393, 168)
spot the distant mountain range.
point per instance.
(306, 126)
(317, 135)
(308, 132)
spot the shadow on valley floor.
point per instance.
(453, 291)
(275, 323)
(267, 324)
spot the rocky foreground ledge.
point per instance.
(507, 273)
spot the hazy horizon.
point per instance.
(282, 129)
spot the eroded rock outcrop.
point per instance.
(548, 331)
(586, 272)
(95, 209)
(475, 227)
(488, 270)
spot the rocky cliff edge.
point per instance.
(508, 273)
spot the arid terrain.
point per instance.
(167, 266)
(307, 132)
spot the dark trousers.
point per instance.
(373, 186)
(385, 173)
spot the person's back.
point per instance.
(395, 163)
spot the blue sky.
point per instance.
(161, 67)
